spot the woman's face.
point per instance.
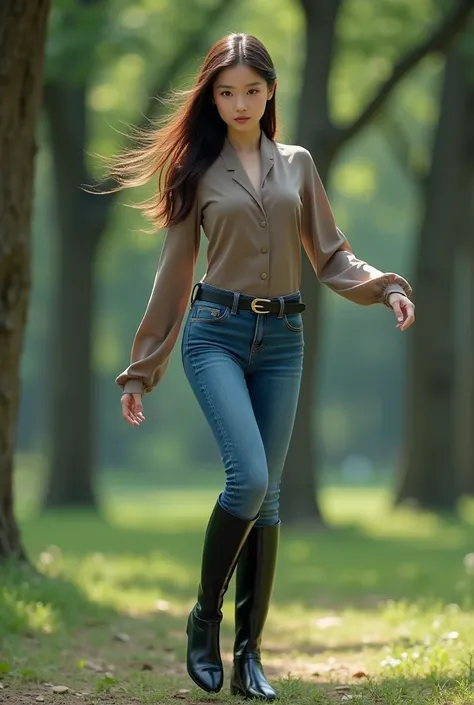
(241, 96)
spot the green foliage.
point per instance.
(121, 50)
(367, 597)
(75, 28)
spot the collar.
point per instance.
(234, 165)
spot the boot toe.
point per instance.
(208, 678)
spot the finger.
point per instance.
(409, 316)
(130, 419)
(408, 322)
(397, 309)
(138, 407)
(127, 413)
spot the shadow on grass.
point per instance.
(33, 603)
(52, 632)
(342, 568)
(105, 569)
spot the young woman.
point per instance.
(258, 203)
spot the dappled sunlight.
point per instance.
(125, 582)
(372, 510)
(400, 640)
(375, 600)
(161, 508)
(19, 614)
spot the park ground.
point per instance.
(377, 610)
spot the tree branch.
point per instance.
(399, 144)
(438, 41)
(191, 45)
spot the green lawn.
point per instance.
(378, 610)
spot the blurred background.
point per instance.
(381, 93)
(376, 564)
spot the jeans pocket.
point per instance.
(208, 312)
(293, 321)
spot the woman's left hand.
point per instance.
(404, 310)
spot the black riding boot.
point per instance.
(223, 541)
(254, 584)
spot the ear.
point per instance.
(272, 91)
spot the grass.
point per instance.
(378, 611)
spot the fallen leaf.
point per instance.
(360, 674)
(60, 689)
(346, 697)
(93, 666)
(341, 688)
(39, 699)
(181, 693)
(121, 637)
(147, 667)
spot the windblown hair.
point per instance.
(181, 147)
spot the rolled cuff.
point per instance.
(395, 289)
(133, 386)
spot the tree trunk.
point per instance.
(324, 140)
(299, 495)
(465, 309)
(22, 39)
(430, 476)
(82, 220)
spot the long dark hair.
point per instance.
(180, 148)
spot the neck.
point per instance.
(248, 142)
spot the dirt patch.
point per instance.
(27, 694)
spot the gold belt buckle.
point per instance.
(256, 306)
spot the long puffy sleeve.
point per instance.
(330, 254)
(159, 328)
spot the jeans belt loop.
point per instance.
(193, 292)
(235, 305)
(282, 306)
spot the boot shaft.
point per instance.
(254, 586)
(225, 536)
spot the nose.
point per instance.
(240, 105)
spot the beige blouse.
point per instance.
(254, 247)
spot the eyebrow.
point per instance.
(255, 83)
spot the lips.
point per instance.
(242, 119)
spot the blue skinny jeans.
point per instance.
(245, 371)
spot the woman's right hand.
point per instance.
(132, 408)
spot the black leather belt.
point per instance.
(246, 303)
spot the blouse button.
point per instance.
(263, 275)
(263, 223)
(264, 250)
